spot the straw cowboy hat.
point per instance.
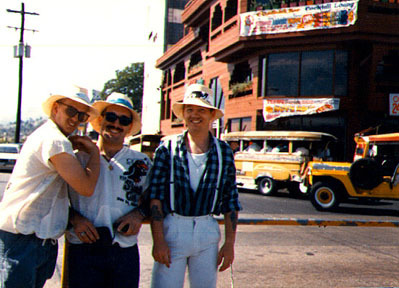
(199, 95)
(118, 99)
(73, 93)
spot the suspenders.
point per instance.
(173, 145)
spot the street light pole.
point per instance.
(21, 51)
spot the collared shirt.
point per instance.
(120, 185)
(200, 202)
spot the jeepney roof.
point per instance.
(389, 137)
(276, 135)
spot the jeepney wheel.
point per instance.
(324, 196)
(267, 186)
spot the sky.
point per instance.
(79, 42)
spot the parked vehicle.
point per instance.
(268, 160)
(9, 153)
(372, 175)
(146, 143)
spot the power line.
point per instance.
(20, 51)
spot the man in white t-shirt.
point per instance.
(34, 209)
(103, 248)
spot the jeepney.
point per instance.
(373, 174)
(146, 143)
(268, 160)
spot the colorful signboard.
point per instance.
(301, 18)
(394, 104)
(283, 107)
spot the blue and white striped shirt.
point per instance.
(200, 202)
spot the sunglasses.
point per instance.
(123, 120)
(72, 111)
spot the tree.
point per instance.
(129, 82)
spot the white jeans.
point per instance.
(193, 242)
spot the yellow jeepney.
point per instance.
(268, 160)
(373, 174)
(146, 143)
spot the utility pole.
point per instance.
(20, 51)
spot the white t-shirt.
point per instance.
(36, 198)
(121, 182)
(196, 165)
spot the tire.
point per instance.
(267, 186)
(324, 196)
(365, 173)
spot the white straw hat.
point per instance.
(73, 93)
(199, 95)
(118, 99)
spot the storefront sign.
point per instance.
(302, 18)
(284, 107)
(394, 104)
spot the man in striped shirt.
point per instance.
(186, 192)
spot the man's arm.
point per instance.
(226, 253)
(82, 179)
(160, 250)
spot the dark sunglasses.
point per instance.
(72, 111)
(123, 120)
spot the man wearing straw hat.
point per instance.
(103, 250)
(34, 209)
(193, 178)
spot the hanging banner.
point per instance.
(302, 18)
(284, 107)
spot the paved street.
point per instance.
(300, 256)
(294, 256)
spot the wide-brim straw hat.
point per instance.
(73, 93)
(118, 99)
(199, 95)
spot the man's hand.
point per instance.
(132, 221)
(161, 253)
(84, 229)
(226, 255)
(83, 143)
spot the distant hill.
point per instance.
(7, 131)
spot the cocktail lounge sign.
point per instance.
(302, 18)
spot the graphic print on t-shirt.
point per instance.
(133, 185)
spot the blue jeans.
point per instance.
(103, 266)
(25, 260)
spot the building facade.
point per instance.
(289, 65)
(164, 29)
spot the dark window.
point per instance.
(240, 124)
(282, 74)
(231, 9)
(195, 60)
(317, 73)
(165, 105)
(341, 73)
(308, 73)
(217, 17)
(177, 4)
(180, 72)
(174, 32)
(241, 80)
